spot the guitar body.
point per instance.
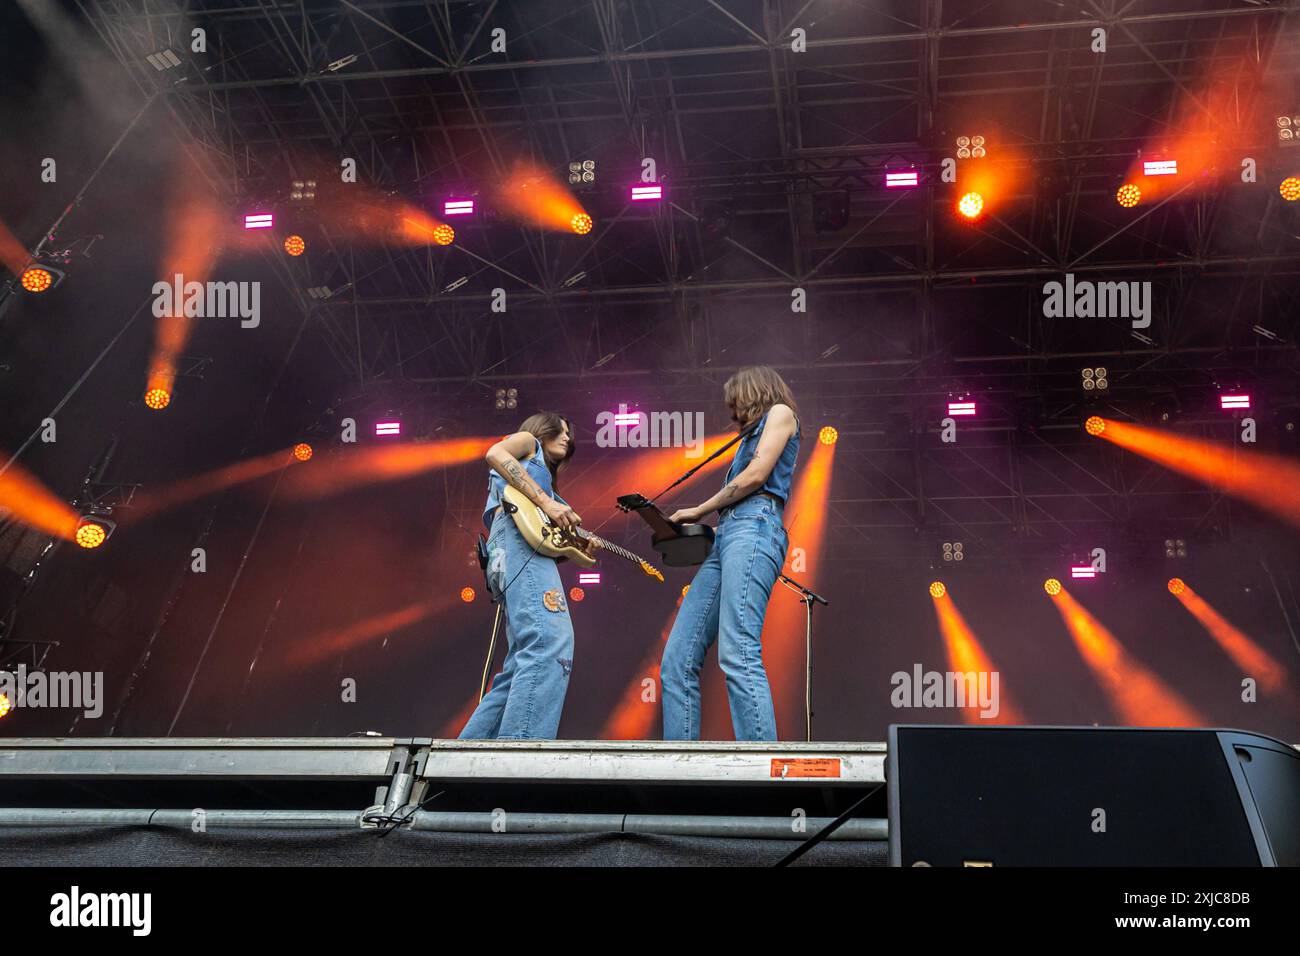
(680, 545)
(541, 534)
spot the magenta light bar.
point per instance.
(458, 207)
(588, 577)
(1234, 401)
(1161, 167)
(901, 180)
(263, 220)
(961, 408)
(1087, 571)
(627, 418)
(647, 193)
(388, 428)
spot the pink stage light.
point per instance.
(260, 220)
(458, 207)
(961, 408)
(388, 428)
(624, 418)
(1087, 571)
(652, 192)
(904, 179)
(1234, 401)
(588, 577)
(1161, 167)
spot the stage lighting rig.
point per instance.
(971, 147)
(582, 172)
(1288, 129)
(1094, 379)
(163, 60)
(506, 399)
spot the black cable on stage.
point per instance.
(825, 831)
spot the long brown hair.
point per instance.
(752, 390)
(545, 426)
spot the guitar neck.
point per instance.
(610, 546)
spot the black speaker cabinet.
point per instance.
(1090, 796)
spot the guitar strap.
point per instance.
(740, 436)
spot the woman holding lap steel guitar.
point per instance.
(728, 598)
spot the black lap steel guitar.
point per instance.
(680, 545)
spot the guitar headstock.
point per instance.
(631, 502)
(652, 572)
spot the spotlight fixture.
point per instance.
(93, 530)
(1095, 425)
(1160, 167)
(576, 594)
(902, 179)
(581, 223)
(1082, 571)
(971, 205)
(259, 220)
(582, 172)
(506, 399)
(1094, 379)
(971, 147)
(1234, 401)
(163, 60)
(302, 190)
(828, 435)
(320, 292)
(387, 427)
(302, 451)
(467, 594)
(443, 234)
(1128, 196)
(157, 398)
(40, 278)
(1290, 188)
(1288, 129)
(952, 551)
(961, 406)
(588, 577)
(1052, 586)
(648, 192)
(937, 589)
(458, 207)
(1175, 548)
(1176, 586)
(295, 246)
(685, 588)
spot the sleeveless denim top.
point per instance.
(536, 469)
(781, 479)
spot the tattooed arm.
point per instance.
(505, 457)
(778, 430)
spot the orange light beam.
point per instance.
(34, 505)
(152, 501)
(335, 473)
(1247, 655)
(967, 656)
(1267, 481)
(533, 195)
(12, 254)
(1140, 697)
(633, 717)
(324, 645)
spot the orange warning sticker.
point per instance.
(806, 767)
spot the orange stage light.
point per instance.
(443, 234)
(967, 657)
(5, 706)
(1052, 586)
(828, 435)
(1290, 188)
(937, 589)
(34, 505)
(577, 594)
(295, 246)
(581, 223)
(36, 279)
(1095, 425)
(302, 451)
(685, 588)
(157, 398)
(1176, 586)
(90, 534)
(1128, 196)
(467, 594)
(971, 205)
(531, 194)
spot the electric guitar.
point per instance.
(550, 539)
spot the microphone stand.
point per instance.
(808, 598)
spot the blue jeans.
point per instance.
(528, 695)
(727, 602)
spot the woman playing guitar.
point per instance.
(728, 598)
(528, 695)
